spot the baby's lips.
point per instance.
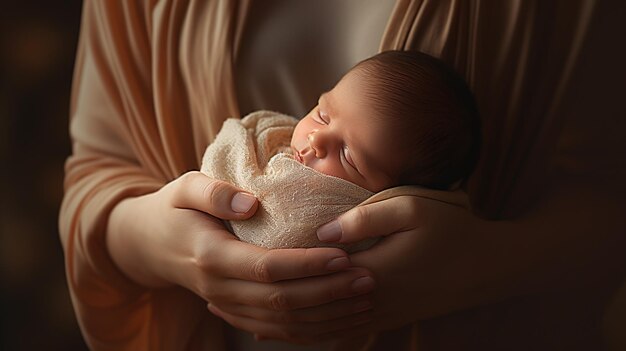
(297, 156)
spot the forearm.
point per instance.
(130, 245)
(95, 185)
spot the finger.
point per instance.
(248, 262)
(194, 190)
(372, 220)
(326, 312)
(299, 293)
(293, 332)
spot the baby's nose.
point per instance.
(317, 142)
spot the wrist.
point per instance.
(129, 244)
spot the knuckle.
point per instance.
(178, 186)
(187, 179)
(204, 263)
(310, 261)
(407, 210)
(335, 294)
(278, 301)
(204, 290)
(361, 216)
(204, 258)
(261, 271)
(213, 191)
(413, 206)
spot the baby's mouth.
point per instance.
(297, 156)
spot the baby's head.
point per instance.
(397, 118)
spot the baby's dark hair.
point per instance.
(424, 99)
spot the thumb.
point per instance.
(194, 190)
(372, 220)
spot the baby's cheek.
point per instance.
(297, 140)
(332, 169)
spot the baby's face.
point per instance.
(341, 138)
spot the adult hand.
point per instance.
(442, 258)
(426, 268)
(175, 236)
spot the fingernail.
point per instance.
(338, 263)
(362, 285)
(242, 202)
(330, 231)
(213, 309)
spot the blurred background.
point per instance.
(37, 47)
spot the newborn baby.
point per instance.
(397, 118)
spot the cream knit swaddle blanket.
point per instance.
(254, 154)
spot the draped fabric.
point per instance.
(501, 48)
(154, 81)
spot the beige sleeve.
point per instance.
(115, 155)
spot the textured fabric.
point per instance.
(154, 82)
(254, 154)
(498, 44)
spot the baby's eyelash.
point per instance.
(346, 156)
(323, 117)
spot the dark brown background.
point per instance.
(37, 47)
